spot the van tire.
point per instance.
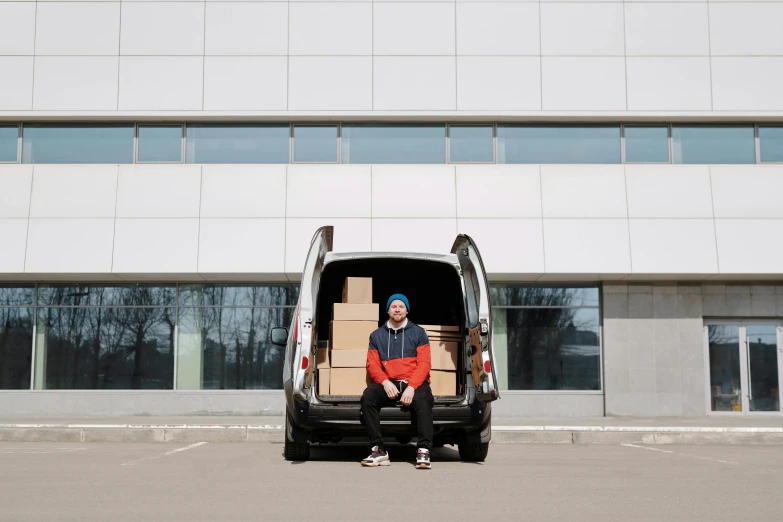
(294, 451)
(473, 452)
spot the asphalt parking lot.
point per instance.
(239, 481)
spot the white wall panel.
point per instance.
(583, 84)
(673, 246)
(74, 191)
(498, 28)
(16, 89)
(508, 246)
(506, 83)
(156, 246)
(434, 194)
(162, 28)
(161, 83)
(585, 29)
(663, 29)
(15, 186)
(498, 191)
(674, 84)
(14, 236)
(350, 235)
(591, 246)
(69, 245)
(75, 83)
(78, 28)
(583, 191)
(414, 83)
(746, 28)
(329, 191)
(748, 83)
(248, 191)
(17, 28)
(415, 28)
(749, 246)
(241, 246)
(747, 191)
(668, 191)
(413, 235)
(330, 83)
(331, 28)
(246, 83)
(246, 28)
(158, 191)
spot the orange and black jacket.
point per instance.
(402, 355)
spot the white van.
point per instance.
(449, 289)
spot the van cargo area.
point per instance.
(433, 288)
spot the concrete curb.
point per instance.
(182, 433)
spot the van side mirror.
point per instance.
(278, 335)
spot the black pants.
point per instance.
(375, 398)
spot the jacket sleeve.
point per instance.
(423, 362)
(374, 366)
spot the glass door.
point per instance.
(745, 364)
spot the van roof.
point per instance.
(439, 258)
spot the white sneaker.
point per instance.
(423, 459)
(378, 457)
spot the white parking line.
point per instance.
(132, 462)
(681, 454)
(31, 451)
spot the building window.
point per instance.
(771, 144)
(159, 144)
(16, 337)
(224, 336)
(546, 338)
(646, 144)
(713, 144)
(9, 143)
(393, 143)
(46, 143)
(315, 143)
(471, 144)
(559, 144)
(218, 143)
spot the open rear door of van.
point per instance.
(478, 318)
(303, 343)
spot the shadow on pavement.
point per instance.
(397, 453)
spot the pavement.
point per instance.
(239, 481)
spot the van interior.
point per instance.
(433, 289)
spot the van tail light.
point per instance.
(487, 367)
(305, 363)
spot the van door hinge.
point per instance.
(484, 327)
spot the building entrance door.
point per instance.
(745, 364)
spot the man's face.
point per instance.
(397, 311)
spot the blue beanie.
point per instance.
(401, 298)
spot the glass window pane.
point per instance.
(47, 143)
(83, 348)
(394, 144)
(646, 144)
(160, 143)
(713, 144)
(771, 144)
(315, 143)
(9, 143)
(547, 348)
(471, 143)
(17, 296)
(16, 347)
(527, 295)
(558, 144)
(130, 295)
(216, 143)
(725, 382)
(226, 295)
(763, 367)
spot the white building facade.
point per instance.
(163, 166)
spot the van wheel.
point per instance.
(294, 450)
(474, 452)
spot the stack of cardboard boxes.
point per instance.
(342, 361)
(445, 343)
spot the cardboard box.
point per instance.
(357, 290)
(351, 335)
(355, 312)
(443, 383)
(349, 358)
(439, 328)
(323, 381)
(444, 355)
(348, 381)
(322, 358)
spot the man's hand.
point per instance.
(407, 396)
(391, 389)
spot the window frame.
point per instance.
(338, 141)
(668, 143)
(494, 127)
(158, 124)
